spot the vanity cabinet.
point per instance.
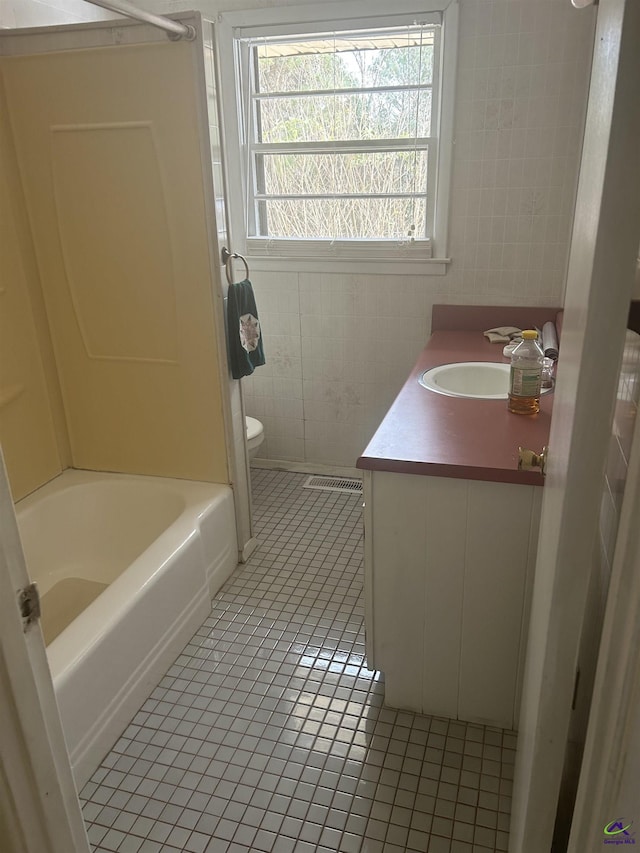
(449, 566)
(451, 532)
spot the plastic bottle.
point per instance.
(526, 375)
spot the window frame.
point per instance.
(233, 28)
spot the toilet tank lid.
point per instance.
(254, 427)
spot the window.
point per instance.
(345, 137)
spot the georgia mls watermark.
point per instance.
(618, 832)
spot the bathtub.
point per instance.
(126, 566)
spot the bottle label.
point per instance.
(526, 381)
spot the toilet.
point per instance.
(255, 435)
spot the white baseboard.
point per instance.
(306, 468)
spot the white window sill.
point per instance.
(396, 266)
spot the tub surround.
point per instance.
(126, 371)
(29, 393)
(158, 549)
(431, 434)
(450, 553)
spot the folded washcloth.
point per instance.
(550, 341)
(244, 335)
(502, 334)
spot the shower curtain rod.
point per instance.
(174, 29)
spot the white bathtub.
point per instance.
(132, 562)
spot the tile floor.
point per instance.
(269, 732)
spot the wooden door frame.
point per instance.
(40, 806)
(616, 690)
(600, 277)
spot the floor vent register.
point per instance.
(334, 484)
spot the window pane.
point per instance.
(344, 219)
(359, 62)
(362, 173)
(300, 73)
(370, 115)
(368, 88)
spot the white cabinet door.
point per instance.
(448, 571)
(501, 537)
(416, 589)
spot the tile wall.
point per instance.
(339, 346)
(523, 74)
(338, 349)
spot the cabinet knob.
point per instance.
(528, 459)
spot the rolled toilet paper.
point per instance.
(550, 341)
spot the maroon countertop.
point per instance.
(432, 434)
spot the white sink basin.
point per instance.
(482, 380)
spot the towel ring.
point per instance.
(227, 257)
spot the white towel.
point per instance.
(502, 334)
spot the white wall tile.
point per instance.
(277, 447)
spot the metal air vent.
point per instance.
(334, 484)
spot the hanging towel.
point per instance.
(243, 330)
